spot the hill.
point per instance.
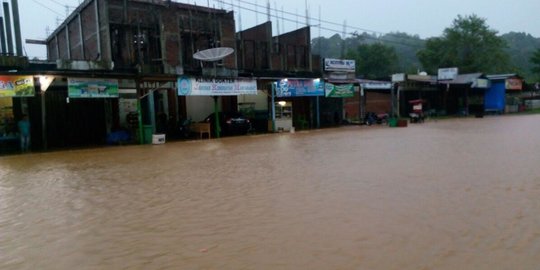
(520, 47)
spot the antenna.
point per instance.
(344, 36)
(268, 10)
(239, 16)
(307, 15)
(277, 17)
(320, 31)
(296, 18)
(213, 54)
(282, 21)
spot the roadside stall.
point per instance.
(214, 88)
(417, 112)
(14, 91)
(288, 98)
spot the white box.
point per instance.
(158, 138)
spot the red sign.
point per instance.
(514, 84)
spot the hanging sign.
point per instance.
(399, 77)
(480, 83)
(92, 88)
(514, 84)
(338, 91)
(299, 88)
(445, 74)
(377, 85)
(216, 87)
(17, 86)
(345, 65)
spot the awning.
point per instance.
(375, 85)
(416, 101)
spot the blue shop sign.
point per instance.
(299, 88)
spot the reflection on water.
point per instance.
(453, 194)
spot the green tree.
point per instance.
(535, 60)
(406, 47)
(374, 61)
(521, 47)
(468, 44)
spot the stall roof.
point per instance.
(375, 85)
(466, 78)
(495, 77)
(343, 81)
(422, 78)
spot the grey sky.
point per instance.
(426, 18)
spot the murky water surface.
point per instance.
(452, 194)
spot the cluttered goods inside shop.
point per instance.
(7, 119)
(9, 136)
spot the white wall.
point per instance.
(260, 100)
(199, 107)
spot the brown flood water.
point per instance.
(452, 194)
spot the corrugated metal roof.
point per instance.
(375, 85)
(422, 78)
(466, 78)
(502, 76)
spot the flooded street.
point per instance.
(449, 194)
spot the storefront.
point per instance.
(295, 104)
(340, 83)
(333, 106)
(16, 92)
(504, 93)
(80, 111)
(205, 96)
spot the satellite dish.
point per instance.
(213, 54)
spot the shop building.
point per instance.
(504, 94)
(281, 64)
(139, 51)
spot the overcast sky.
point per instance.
(426, 18)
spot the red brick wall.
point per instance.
(378, 102)
(75, 40)
(88, 20)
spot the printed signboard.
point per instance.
(338, 91)
(345, 65)
(92, 88)
(480, 83)
(299, 88)
(447, 73)
(216, 87)
(514, 84)
(399, 77)
(377, 85)
(17, 86)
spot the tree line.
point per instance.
(469, 44)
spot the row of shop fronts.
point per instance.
(71, 110)
(461, 94)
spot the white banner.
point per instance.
(447, 73)
(377, 85)
(399, 77)
(216, 87)
(331, 64)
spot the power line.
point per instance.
(53, 11)
(305, 17)
(63, 5)
(320, 26)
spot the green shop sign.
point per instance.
(92, 88)
(338, 91)
(17, 86)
